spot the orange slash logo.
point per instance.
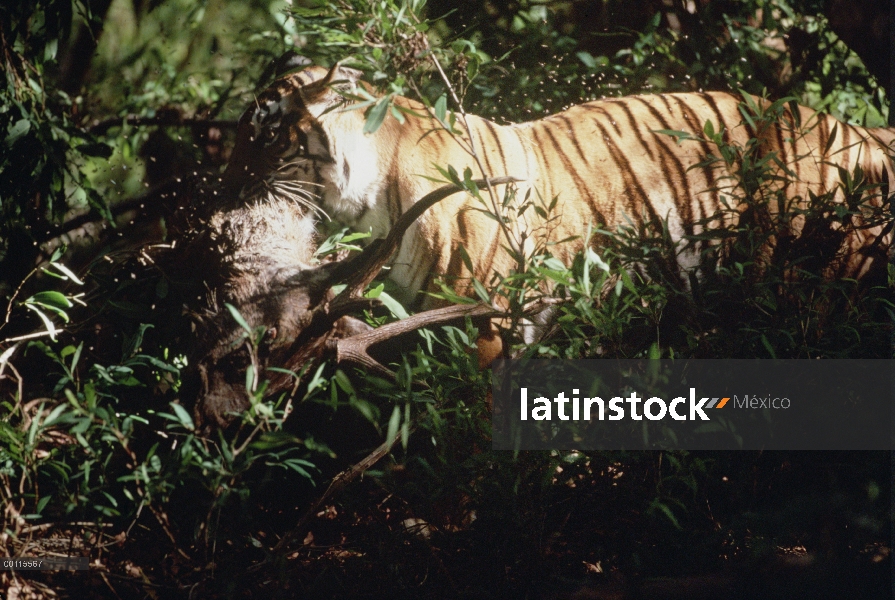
(715, 404)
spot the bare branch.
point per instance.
(338, 484)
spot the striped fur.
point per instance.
(603, 160)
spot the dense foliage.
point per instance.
(99, 455)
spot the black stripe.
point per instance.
(683, 204)
(707, 171)
(564, 158)
(393, 201)
(291, 157)
(822, 143)
(483, 152)
(796, 136)
(598, 107)
(583, 188)
(493, 246)
(545, 171)
(782, 156)
(721, 122)
(846, 140)
(633, 123)
(439, 139)
(573, 137)
(492, 130)
(628, 173)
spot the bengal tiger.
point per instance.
(606, 161)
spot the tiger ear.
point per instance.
(338, 74)
(289, 62)
(280, 67)
(337, 79)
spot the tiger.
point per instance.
(607, 163)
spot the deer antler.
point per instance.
(358, 272)
(355, 349)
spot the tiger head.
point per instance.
(285, 149)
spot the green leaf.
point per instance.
(55, 415)
(284, 371)
(393, 424)
(67, 272)
(250, 378)
(374, 292)
(50, 50)
(481, 291)
(393, 306)
(358, 235)
(464, 256)
(159, 364)
(831, 139)
(57, 253)
(377, 115)
(343, 381)
(366, 409)
(76, 356)
(238, 318)
(42, 504)
(51, 329)
(183, 416)
(296, 465)
(667, 512)
(441, 108)
(587, 59)
(20, 128)
(50, 298)
(397, 114)
(679, 136)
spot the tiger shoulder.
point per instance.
(607, 162)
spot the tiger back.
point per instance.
(607, 162)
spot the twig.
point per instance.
(13, 298)
(338, 484)
(18, 377)
(517, 247)
(29, 336)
